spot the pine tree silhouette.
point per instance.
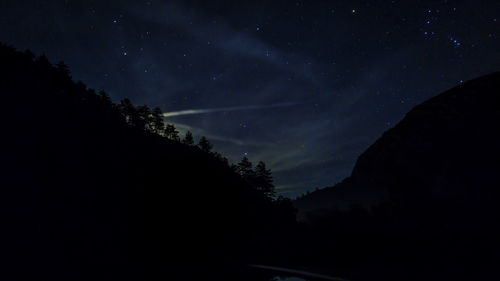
(171, 132)
(144, 117)
(244, 168)
(129, 112)
(188, 138)
(205, 145)
(105, 98)
(264, 179)
(157, 124)
(63, 69)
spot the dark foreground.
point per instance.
(87, 194)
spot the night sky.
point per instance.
(305, 86)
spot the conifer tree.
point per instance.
(29, 54)
(105, 98)
(157, 124)
(171, 132)
(205, 145)
(264, 179)
(244, 168)
(144, 121)
(221, 158)
(188, 138)
(63, 69)
(43, 61)
(129, 112)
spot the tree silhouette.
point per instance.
(234, 167)
(129, 112)
(43, 61)
(264, 179)
(105, 98)
(221, 158)
(244, 168)
(205, 145)
(144, 117)
(157, 124)
(63, 69)
(29, 54)
(171, 133)
(188, 138)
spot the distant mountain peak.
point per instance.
(446, 147)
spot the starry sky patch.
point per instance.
(351, 69)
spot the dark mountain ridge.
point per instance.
(86, 196)
(446, 147)
(422, 202)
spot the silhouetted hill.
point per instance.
(422, 202)
(85, 196)
(447, 147)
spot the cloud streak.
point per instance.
(225, 109)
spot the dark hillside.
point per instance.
(447, 146)
(86, 196)
(422, 202)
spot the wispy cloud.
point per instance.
(183, 128)
(225, 109)
(228, 40)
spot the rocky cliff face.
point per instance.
(446, 149)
